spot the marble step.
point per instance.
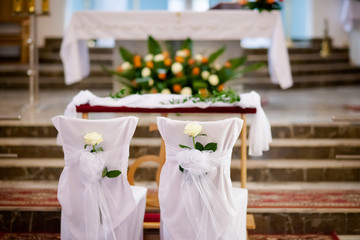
(279, 148)
(299, 131)
(100, 56)
(269, 170)
(306, 81)
(268, 220)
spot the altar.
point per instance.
(211, 25)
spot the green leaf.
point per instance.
(237, 62)
(216, 54)
(211, 147)
(181, 169)
(153, 46)
(199, 146)
(113, 173)
(251, 68)
(100, 149)
(184, 146)
(126, 55)
(85, 146)
(197, 84)
(187, 44)
(104, 172)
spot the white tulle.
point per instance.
(94, 207)
(200, 202)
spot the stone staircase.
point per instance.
(308, 69)
(302, 156)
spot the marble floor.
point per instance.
(291, 106)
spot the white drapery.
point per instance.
(210, 25)
(260, 130)
(94, 207)
(200, 203)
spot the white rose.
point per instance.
(214, 79)
(151, 82)
(186, 91)
(217, 66)
(176, 67)
(192, 129)
(126, 66)
(198, 57)
(205, 75)
(159, 57)
(93, 138)
(145, 72)
(181, 53)
(166, 91)
(148, 58)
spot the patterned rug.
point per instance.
(10, 197)
(56, 236)
(332, 236)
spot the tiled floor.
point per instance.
(316, 105)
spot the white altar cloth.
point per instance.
(210, 25)
(260, 130)
(350, 14)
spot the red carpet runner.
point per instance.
(257, 198)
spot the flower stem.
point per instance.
(94, 148)
(193, 138)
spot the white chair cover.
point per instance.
(94, 207)
(200, 203)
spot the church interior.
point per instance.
(303, 59)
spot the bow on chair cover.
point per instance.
(200, 203)
(216, 211)
(94, 207)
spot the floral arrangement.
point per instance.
(194, 129)
(179, 72)
(261, 5)
(93, 139)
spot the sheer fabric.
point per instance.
(94, 207)
(200, 202)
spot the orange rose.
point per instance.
(162, 76)
(187, 52)
(196, 71)
(150, 64)
(270, 1)
(204, 92)
(153, 90)
(179, 74)
(179, 59)
(191, 61)
(167, 62)
(227, 65)
(166, 54)
(176, 88)
(137, 61)
(243, 2)
(119, 69)
(220, 87)
(134, 83)
(204, 60)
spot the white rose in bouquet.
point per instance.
(213, 79)
(176, 67)
(126, 66)
(145, 72)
